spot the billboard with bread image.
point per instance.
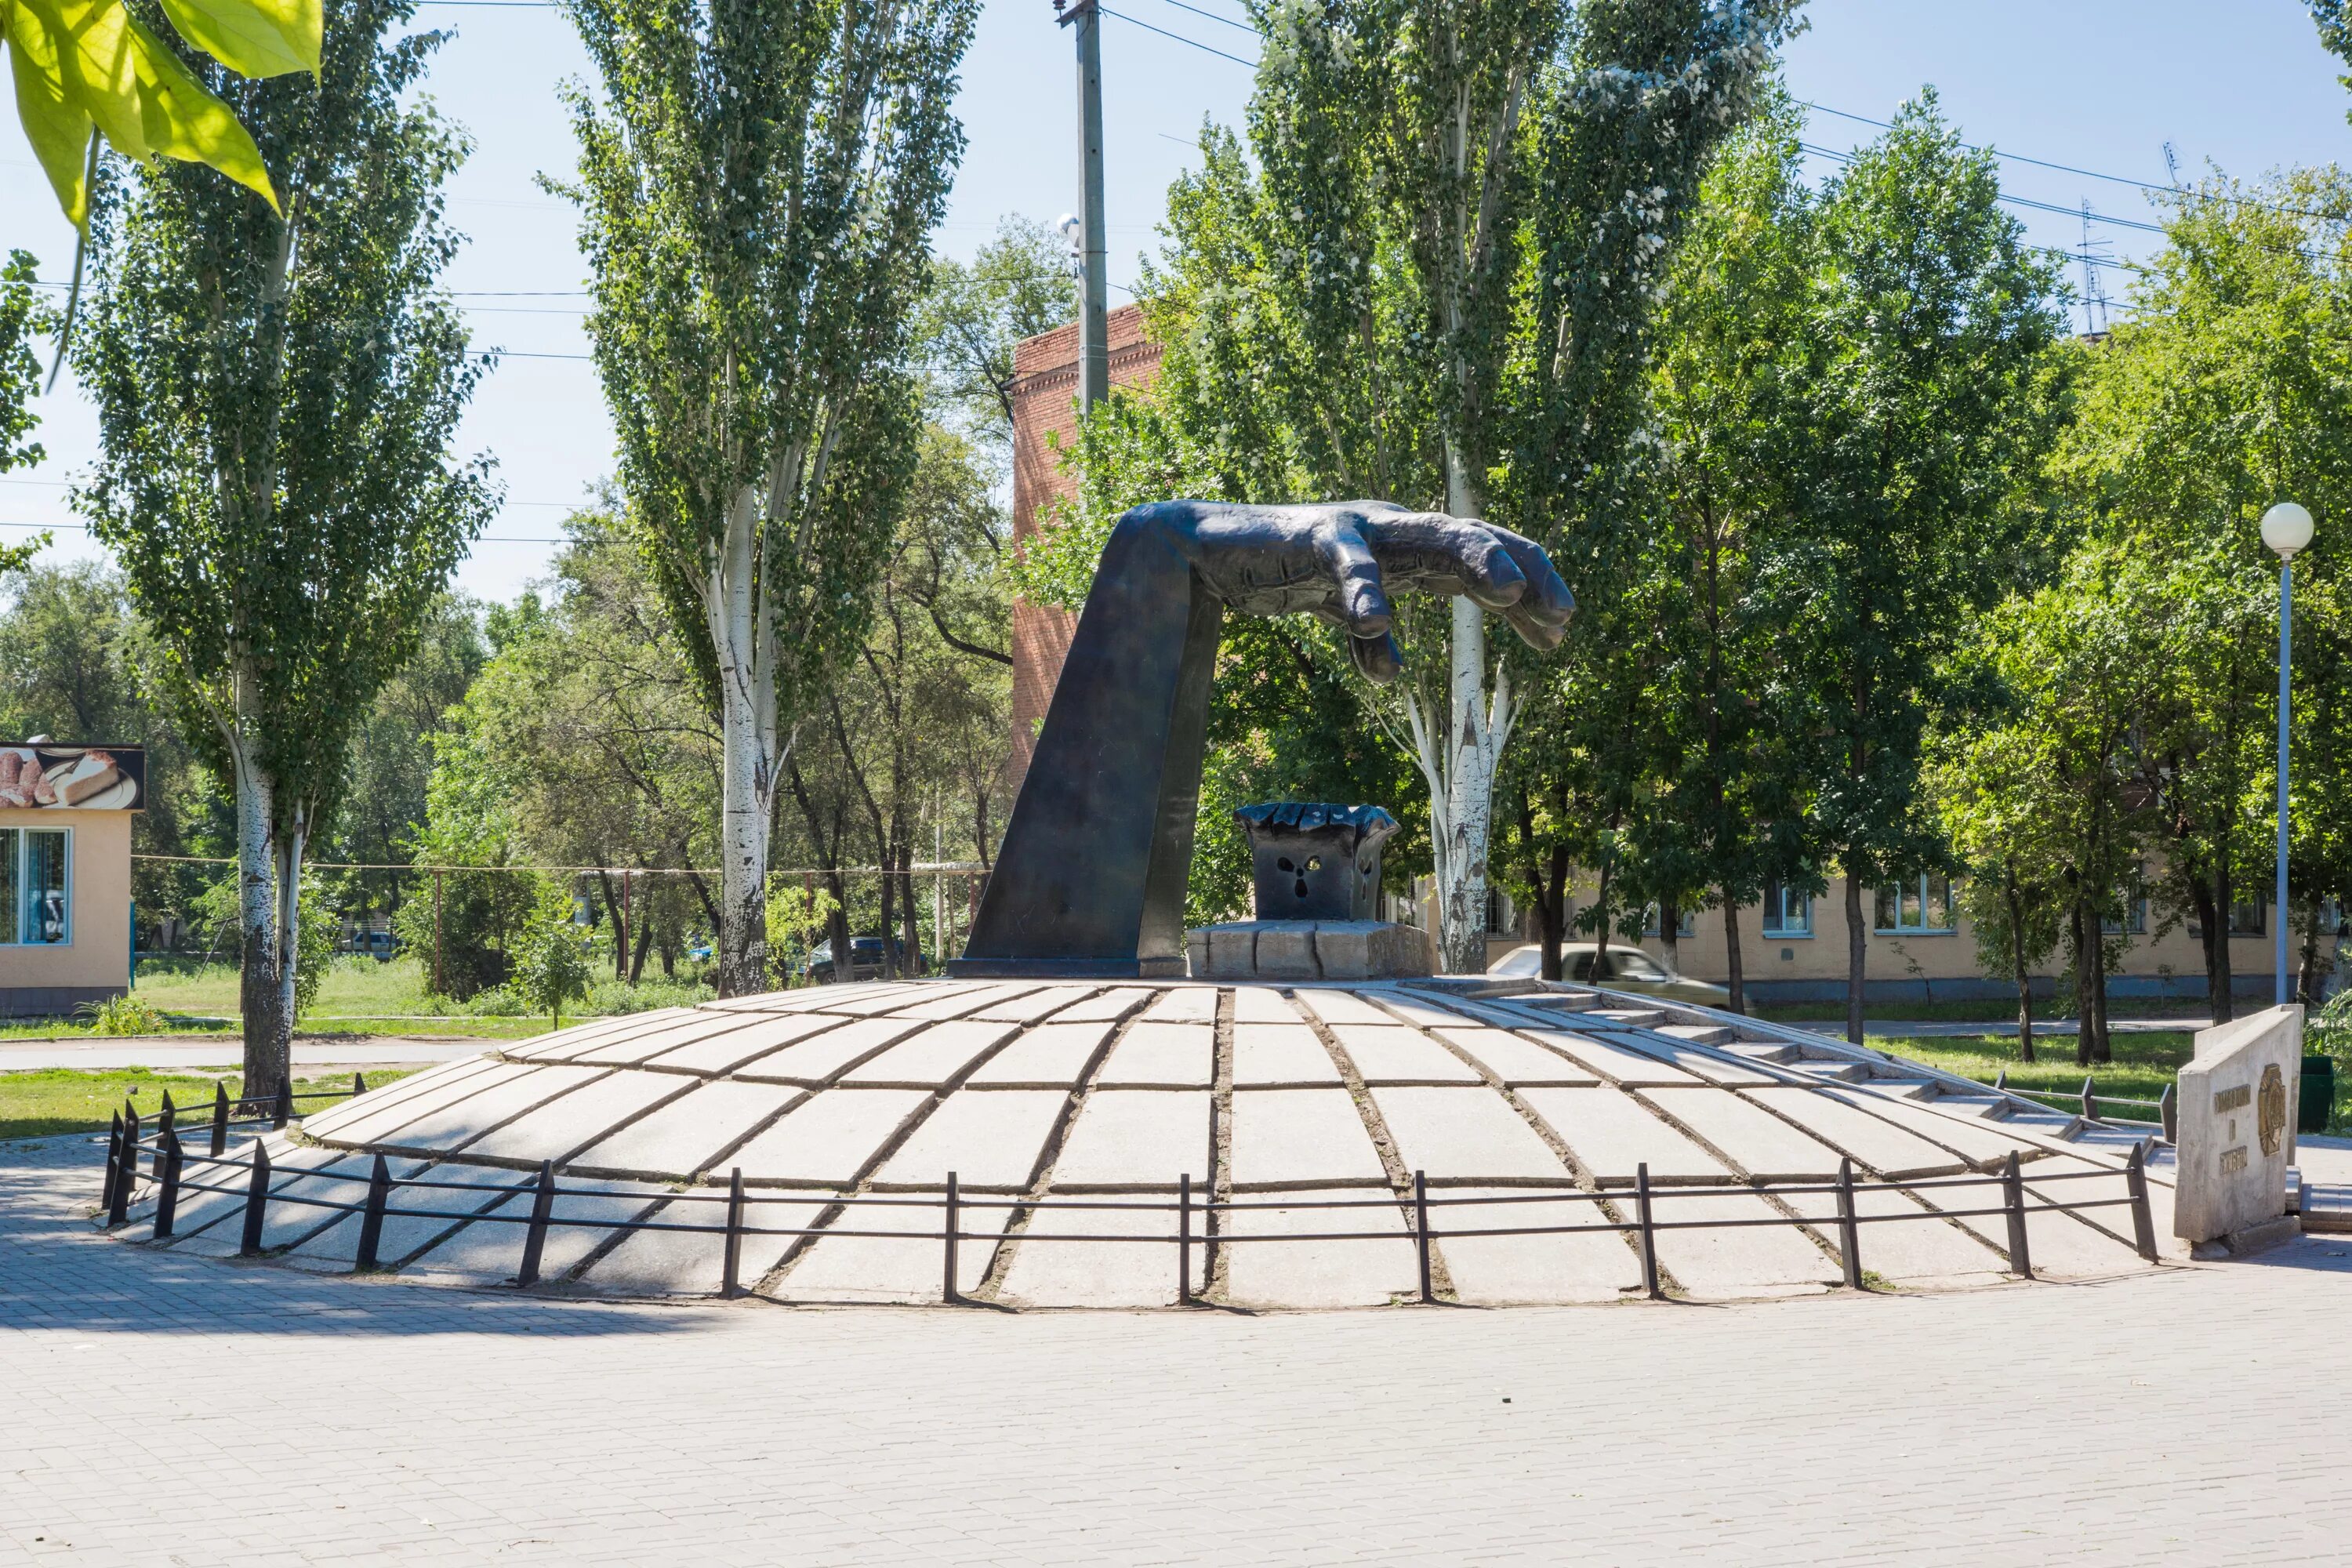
(41, 776)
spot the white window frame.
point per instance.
(1653, 921)
(1893, 892)
(16, 892)
(1776, 913)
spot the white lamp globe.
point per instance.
(2286, 528)
(1070, 227)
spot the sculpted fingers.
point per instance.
(1363, 601)
(1377, 659)
(1541, 614)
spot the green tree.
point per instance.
(276, 398)
(1925, 411)
(554, 966)
(974, 315)
(757, 185)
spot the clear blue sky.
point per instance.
(2101, 85)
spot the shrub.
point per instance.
(553, 961)
(124, 1014)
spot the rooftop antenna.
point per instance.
(2094, 259)
(2172, 164)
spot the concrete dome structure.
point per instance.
(1111, 1092)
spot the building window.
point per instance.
(1786, 911)
(1917, 905)
(1502, 915)
(2133, 922)
(2246, 917)
(35, 894)
(1686, 921)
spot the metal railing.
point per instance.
(2088, 1100)
(1197, 1220)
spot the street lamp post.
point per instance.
(2287, 529)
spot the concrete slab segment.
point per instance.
(1185, 1005)
(1876, 1143)
(1124, 1139)
(1333, 1006)
(1515, 1060)
(1632, 1068)
(889, 1268)
(819, 1058)
(1610, 1133)
(687, 1135)
(564, 1045)
(1973, 1138)
(1049, 1272)
(1051, 1055)
(634, 1048)
(1319, 1273)
(805, 998)
(1034, 1007)
(559, 1129)
(489, 1250)
(1508, 1271)
(1299, 1138)
(828, 1140)
(963, 1000)
(1465, 1134)
(1108, 1007)
(1758, 1142)
(991, 1141)
(739, 1047)
(896, 996)
(1153, 1055)
(1269, 1056)
(1723, 1265)
(473, 1110)
(319, 1124)
(1419, 1009)
(1262, 1005)
(679, 1262)
(410, 1221)
(1914, 1245)
(937, 1056)
(1395, 1054)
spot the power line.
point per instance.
(84, 528)
(1212, 17)
(66, 484)
(1178, 36)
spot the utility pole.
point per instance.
(1094, 349)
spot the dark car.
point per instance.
(865, 959)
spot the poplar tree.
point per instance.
(276, 389)
(758, 180)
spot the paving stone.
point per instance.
(1270, 1056)
(933, 1058)
(1504, 1270)
(1124, 1140)
(676, 1262)
(562, 1128)
(1857, 1129)
(830, 1138)
(1465, 1134)
(1051, 1055)
(1047, 1272)
(1185, 1005)
(1262, 1005)
(887, 1267)
(1319, 1273)
(688, 1133)
(480, 1106)
(1724, 1265)
(990, 1141)
(1760, 1144)
(1517, 1061)
(819, 1059)
(1610, 1133)
(1632, 1068)
(1295, 1138)
(758, 1037)
(1395, 1054)
(1153, 1055)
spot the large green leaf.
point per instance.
(58, 127)
(144, 101)
(255, 38)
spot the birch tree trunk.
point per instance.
(261, 993)
(747, 701)
(287, 850)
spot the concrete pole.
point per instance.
(1094, 348)
(2287, 645)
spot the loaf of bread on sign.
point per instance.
(91, 773)
(16, 789)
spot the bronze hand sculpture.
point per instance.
(1090, 879)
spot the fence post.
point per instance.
(283, 1109)
(948, 1281)
(372, 1218)
(113, 1165)
(2012, 1198)
(257, 1201)
(359, 1084)
(126, 1171)
(1648, 1231)
(534, 1238)
(2136, 1182)
(2090, 1105)
(1184, 1239)
(1421, 1230)
(165, 1121)
(2168, 1114)
(2001, 1080)
(167, 1201)
(1849, 1232)
(729, 1285)
(220, 1119)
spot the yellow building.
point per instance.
(65, 873)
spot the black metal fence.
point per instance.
(2088, 1100)
(1198, 1221)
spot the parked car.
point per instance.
(865, 959)
(1620, 969)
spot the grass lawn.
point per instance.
(51, 1100)
(1990, 1010)
(2144, 1064)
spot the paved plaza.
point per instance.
(176, 1409)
